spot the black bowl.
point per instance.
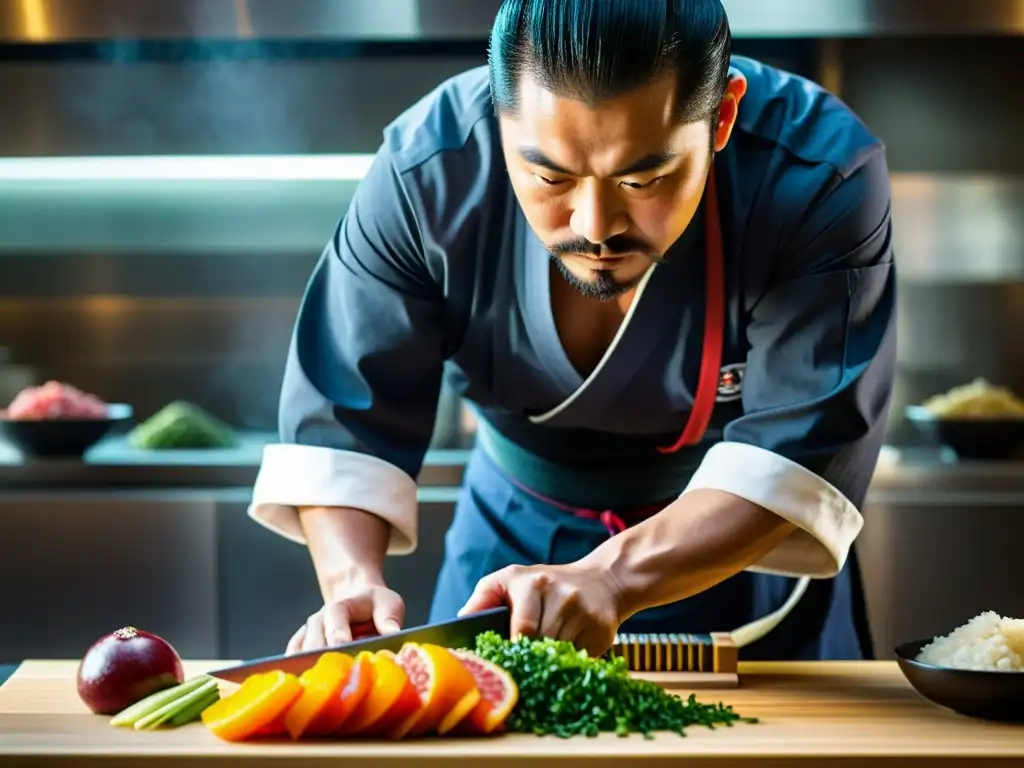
(986, 695)
(61, 437)
(971, 438)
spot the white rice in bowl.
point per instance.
(988, 642)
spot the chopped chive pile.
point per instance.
(564, 692)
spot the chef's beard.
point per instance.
(603, 285)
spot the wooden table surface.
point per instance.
(821, 713)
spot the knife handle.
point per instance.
(677, 653)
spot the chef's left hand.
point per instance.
(570, 602)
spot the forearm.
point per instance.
(701, 539)
(345, 545)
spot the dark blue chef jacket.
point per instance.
(434, 271)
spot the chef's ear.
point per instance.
(729, 110)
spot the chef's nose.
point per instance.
(596, 214)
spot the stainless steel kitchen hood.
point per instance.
(76, 21)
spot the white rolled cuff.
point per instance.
(293, 476)
(827, 522)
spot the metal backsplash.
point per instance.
(238, 106)
(217, 107)
(959, 227)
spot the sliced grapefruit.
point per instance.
(498, 695)
(447, 690)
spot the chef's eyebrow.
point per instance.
(534, 156)
(651, 162)
(645, 164)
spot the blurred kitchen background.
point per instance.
(146, 283)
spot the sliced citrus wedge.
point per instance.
(321, 685)
(391, 699)
(348, 698)
(499, 695)
(254, 706)
(444, 686)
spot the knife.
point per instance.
(457, 633)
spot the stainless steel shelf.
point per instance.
(113, 466)
(948, 228)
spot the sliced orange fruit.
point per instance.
(498, 695)
(404, 706)
(446, 689)
(276, 728)
(347, 699)
(321, 685)
(252, 707)
(389, 684)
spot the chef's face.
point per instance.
(608, 188)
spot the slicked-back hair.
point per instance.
(595, 50)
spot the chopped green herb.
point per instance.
(565, 692)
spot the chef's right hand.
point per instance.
(358, 611)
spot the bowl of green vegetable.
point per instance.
(182, 425)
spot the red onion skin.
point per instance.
(124, 667)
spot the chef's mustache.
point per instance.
(618, 245)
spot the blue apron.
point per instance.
(514, 510)
(6, 670)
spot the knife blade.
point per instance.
(457, 633)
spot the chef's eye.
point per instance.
(642, 185)
(548, 182)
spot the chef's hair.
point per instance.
(594, 50)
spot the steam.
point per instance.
(167, 97)
(150, 98)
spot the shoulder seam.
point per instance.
(413, 164)
(853, 163)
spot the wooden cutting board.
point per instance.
(821, 713)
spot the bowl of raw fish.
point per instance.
(58, 420)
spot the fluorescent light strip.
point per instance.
(348, 167)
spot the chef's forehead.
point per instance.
(631, 132)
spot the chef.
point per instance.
(663, 278)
